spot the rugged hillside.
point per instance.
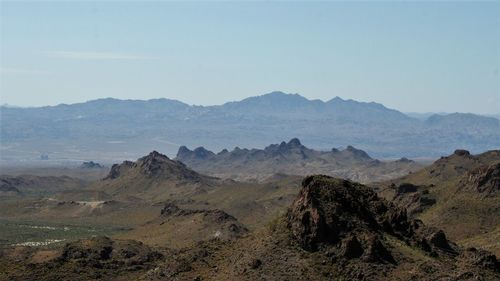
(334, 230)
(458, 193)
(154, 176)
(293, 158)
(111, 130)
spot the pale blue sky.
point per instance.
(421, 57)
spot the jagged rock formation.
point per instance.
(352, 219)
(292, 158)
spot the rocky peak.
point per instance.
(198, 153)
(294, 145)
(119, 169)
(224, 151)
(461, 152)
(183, 152)
(357, 152)
(154, 156)
(295, 142)
(350, 220)
(201, 152)
(155, 164)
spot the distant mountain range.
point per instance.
(293, 158)
(111, 129)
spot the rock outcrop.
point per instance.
(484, 180)
(351, 221)
(415, 199)
(104, 250)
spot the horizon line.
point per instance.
(7, 105)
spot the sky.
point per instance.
(411, 56)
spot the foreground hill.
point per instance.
(110, 129)
(334, 230)
(459, 193)
(295, 159)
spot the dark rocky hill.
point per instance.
(153, 176)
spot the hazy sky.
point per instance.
(421, 57)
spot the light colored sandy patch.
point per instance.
(39, 243)
(92, 204)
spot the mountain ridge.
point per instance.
(293, 157)
(110, 127)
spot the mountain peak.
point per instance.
(201, 152)
(198, 153)
(461, 152)
(292, 146)
(357, 152)
(154, 165)
(295, 142)
(155, 155)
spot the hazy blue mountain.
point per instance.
(108, 129)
